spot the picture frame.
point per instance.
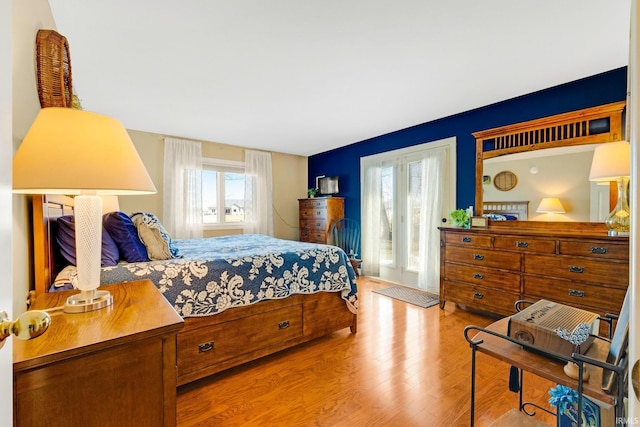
(479, 221)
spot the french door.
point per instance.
(405, 194)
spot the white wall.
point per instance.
(6, 153)
(28, 17)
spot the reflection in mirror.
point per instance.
(555, 172)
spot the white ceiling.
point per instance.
(306, 76)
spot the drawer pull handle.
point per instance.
(576, 269)
(576, 293)
(466, 239)
(283, 325)
(520, 244)
(478, 295)
(478, 257)
(598, 250)
(208, 346)
(478, 276)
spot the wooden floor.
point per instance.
(406, 366)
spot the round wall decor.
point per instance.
(505, 180)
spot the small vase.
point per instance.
(572, 371)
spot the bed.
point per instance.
(506, 211)
(241, 297)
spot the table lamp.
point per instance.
(550, 205)
(612, 162)
(75, 152)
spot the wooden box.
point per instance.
(538, 323)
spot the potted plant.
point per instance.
(460, 218)
(312, 192)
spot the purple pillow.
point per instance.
(66, 239)
(125, 234)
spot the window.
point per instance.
(223, 183)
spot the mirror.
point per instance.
(549, 157)
(561, 172)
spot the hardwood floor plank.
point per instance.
(406, 366)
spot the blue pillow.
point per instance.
(66, 239)
(125, 234)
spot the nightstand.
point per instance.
(110, 367)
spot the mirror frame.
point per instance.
(561, 130)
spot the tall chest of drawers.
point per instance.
(316, 216)
(489, 269)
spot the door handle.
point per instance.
(30, 324)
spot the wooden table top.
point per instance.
(138, 311)
(544, 366)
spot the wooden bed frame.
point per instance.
(207, 345)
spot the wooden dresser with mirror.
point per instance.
(575, 263)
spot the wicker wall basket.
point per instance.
(53, 65)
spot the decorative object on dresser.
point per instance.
(99, 159)
(612, 162)
(117, 364)
(317, 215)
(490, 269)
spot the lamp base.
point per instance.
(88, 301)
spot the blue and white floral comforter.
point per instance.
(213, 274)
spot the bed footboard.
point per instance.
(211, 344)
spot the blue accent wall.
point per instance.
(584, 93)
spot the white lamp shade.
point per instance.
(550, 205)
(610, 161)
(69, 151)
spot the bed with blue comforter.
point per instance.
(242, 297)
(214, 274)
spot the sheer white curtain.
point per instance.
(258, 201)
(371, 220)
(182, 195)
(433, 166)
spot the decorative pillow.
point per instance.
(66, 238)
(66, 279)
(154, 236)
(125, 234)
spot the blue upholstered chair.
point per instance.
(345, 234)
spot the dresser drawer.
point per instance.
(313, 203)
(313, 214)
(595, 249)
(491, 300)
(575, 293)
(525, 244)
(314, 224)
(313, 236)
(483, 257)
(578, 269)
(468, 239)
(483, 276)
(209, 345)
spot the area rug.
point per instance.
(412, 296)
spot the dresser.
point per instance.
(110, 367)
(316, 216)
(489, 269)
